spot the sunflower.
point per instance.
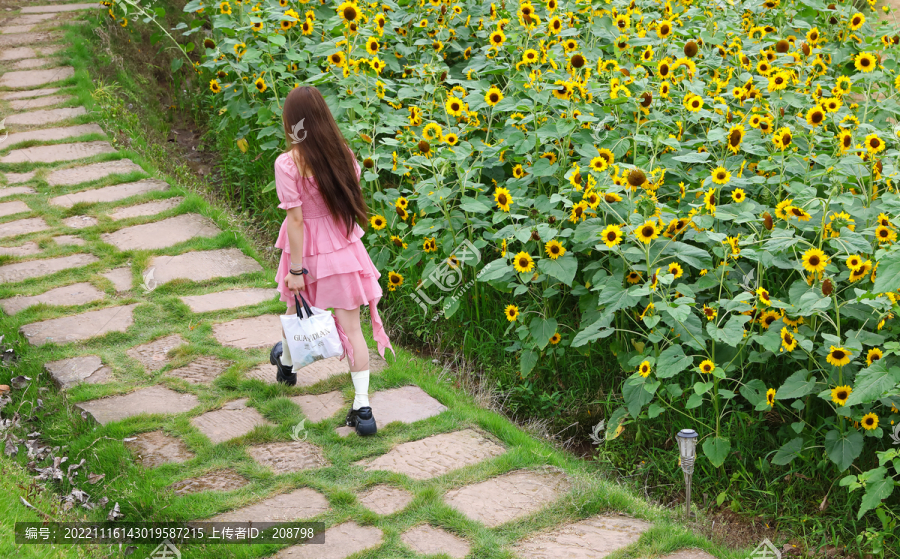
(845, 140)
(781, 207)
(530, 56)
(225, 8)
(518, 171)
(720, 175)
(372, 46)
(767, 318)
(349, 12)
(378, 222)
(840, 394)
(523, 262)
(432, 131)
(644, 369)
(664, 29)
(693, 102)
(865, 62)
(454, 106)
(555, 338)
(214, 86)
(633, 277)
(838, 356)
(770, 397)
(814, 260)
(788, 341)
(675, 269)
(874, 144)
(554, 249)
(735, 137)
(799, 213)
(611, 198)
(563, 90)
(738, 195)
(815, 116)
(885, 235)
(493, 96)
(710, 313)
(257, 26)
(764, 296)
(646, 232)
(430, 245)
(607, 155)
(869, 421)
(873, 355)
(240, 49)
(395, 280)
(503, 199)
(707, 366)
(497, 38)
(338, 59)
(260, 85)
(782, 138)
(857, 21)
(857, 275)
(511, 312)
(578, 212)
(599, 163)
(451, 139)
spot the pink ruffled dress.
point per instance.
(341, 273)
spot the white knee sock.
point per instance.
(361, 384)
(286, 354)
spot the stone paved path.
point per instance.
(41, 250)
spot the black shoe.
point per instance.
(363, 420)
(285, 374)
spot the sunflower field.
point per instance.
(707, 188)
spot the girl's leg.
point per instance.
(359, 370)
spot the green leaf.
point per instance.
(270, 186)
(888, 276)
(473, 205)
(716, 449)
(691, 255)
(788, 452)
(495, 269)
(176, 64)
(843, 449)
(527, 361)
(733, 333)
(754, 391)
(872, 382)
(635, 395)
(671, 362)
(563, 268)
(542, 329)
(615, 420)
(878, 488)
(796, 386)
(692, 157)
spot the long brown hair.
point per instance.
(325, 153)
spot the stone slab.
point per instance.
(80, 326)
(68, 240)
(344, 430)
(23, 226)
(29, 63)
(33, 268)
(56, 8)
(10, 208)
(80, 221)
(264, 372)
(14, 190)
(43, 116)
(435, 455)
(247, 333)
(19, 39)
(10, 29)
(28, 94)
(26, 249)
(154, 355)
(162, 234)
(17, 53)
(287, 457)
(92, 172)
(228, 299)
(341, 541)
(75, 294)
(428, 540)
(15, 178)
(300, 504)
(31, 19)
(69, 372)
(33, 78)
(149, 208)
(201, 265)
(385, 499)
(48, 134)
(109, 193)
(153, 400)
(220, 480)
(690, 554)
(57, 152)
(120, 277)
(234, 419)
(506, 497)
(592, 538)
(155, 448)
(317, 407)
(406, 404)
(202, 370)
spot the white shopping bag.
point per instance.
(311, 337)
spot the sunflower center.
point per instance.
(814, 260)
(502, 199)
(647, 231)
(349, 13)
(838, 354)
(611, 236)
(842, 395)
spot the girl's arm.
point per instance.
(295, 236)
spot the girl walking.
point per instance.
(322, 257)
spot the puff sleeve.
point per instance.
(286, 182)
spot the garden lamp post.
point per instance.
(687, 443)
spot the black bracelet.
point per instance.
(300, 273)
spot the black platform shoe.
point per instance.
(363, 420)
(285, 374)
